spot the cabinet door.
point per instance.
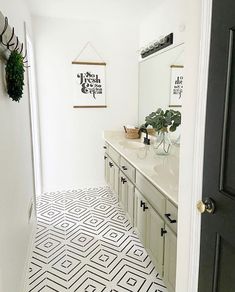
(170, 259)
(116, 179)
(113, 176)
(122, 191)
(106, 168)
(111, 173)
(155, 238)
(130, 195)
(140, 216)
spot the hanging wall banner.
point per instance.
(177, 85)
(89, 84)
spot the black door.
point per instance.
(217, 255)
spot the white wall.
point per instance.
(72, 138)
(16, 178)
(170, 16)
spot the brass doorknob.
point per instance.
(206, 205)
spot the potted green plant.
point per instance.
(163, 122)
(15, 75)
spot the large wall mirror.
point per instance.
(155, 80)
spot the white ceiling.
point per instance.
(119, 10)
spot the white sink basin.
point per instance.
(132, 144)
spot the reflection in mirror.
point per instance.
(155, 81)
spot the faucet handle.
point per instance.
(146, 141)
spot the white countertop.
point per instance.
(161, 170)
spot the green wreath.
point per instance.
(15, 75)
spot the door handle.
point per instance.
(206, 205)
(110, 164)
(145, 207)
(163, 231)
(141, 204)
(168, 216)
(124, 167)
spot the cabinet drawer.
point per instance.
(155, 198)
(128, 169)
(114, 155)
(171, 215)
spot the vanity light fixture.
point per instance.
(157, 45)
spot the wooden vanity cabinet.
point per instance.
(152, 214)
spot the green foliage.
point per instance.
(161, 120)
(15, 76)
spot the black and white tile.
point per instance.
(85, 243)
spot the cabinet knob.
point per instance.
(163, 231)
(110, 164)
(124, 167)
(124, 180)
(168, 216)
(105, 147)
(105, 157)
(141, 204)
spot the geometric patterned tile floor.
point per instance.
(85, 243)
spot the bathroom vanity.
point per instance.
(146, 185)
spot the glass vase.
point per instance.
(162, 144)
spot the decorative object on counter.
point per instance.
(163, 122)
(151, 131)
(177, 85)
(89, 81)
(132, 132)
(15, 76)
(152, 48)
(12, 51)
(163, 143)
